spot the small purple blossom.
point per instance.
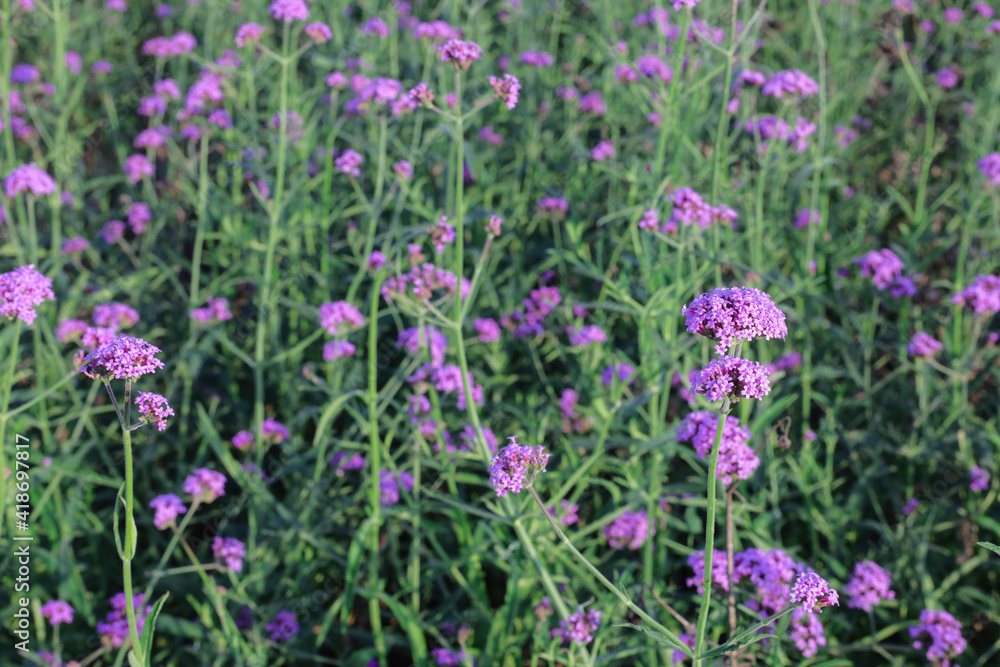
(289, 10)
(631, 530)
(339, 316)
(349, 162)
(979, 479)
(153, 409)
(923, 345)
(868, 586)
(624, 372)
(21, 291)
(982, 296)
(488, 329)
(813, 593)
(515, 466)
(243, 439)
(734, 314)
(338, 349)
(231, 550)
(284, 625)
(732, 377)
(57, 612)
(790, 82)
(506, 89)
(124, 358)
(459, 52)
(205, 484)
(579, 627)
(940, 634)
(28, 178)
(389, 484)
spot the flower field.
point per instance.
(514, 333)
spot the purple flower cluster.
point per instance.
(771, 127)
(579, 627)
(349, 162)
(216, 311)
(115, 316)
(790, 82)
(343, 462)
(340, 316)
(587, 334)
(166, 509)
(554, 207)
(989, 166)
(631, 530)
(720, 574)
(982, 296)
(737, 460)
(689, 208)
(153, 409)
(940, 634)
(28, 178)
(421, 281)
(57, 612)
(124, 358)
(807, 217)
(460, 53)
(979, 479)
(537, 58)
(389, 484)
(114, 629)
(734, 314)
(573, 421)
(806, 632)
(868, 586)
(923, 345)
(21, 290)
(447, 379)
(415, 339)
(283, 626)
(230, 550)
(205, 484)
(624, 372)
(567, 513)
(515, 466)
(732, 377)
(813, 593)
(488, 329)
(885, 269)
(771, 573)
(289, 10)
(506, 89)
(530, 321)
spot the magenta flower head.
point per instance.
(947, 78)
(166, 507)
(813, 593)
(982, 296)
(989, 166)
(248, 33)
(216, 311)
(923, 345)
(868, 586)
(338, 349)
(282, 627)
(274, 431)
(112, 231)
(631, 530)
(21, 290)
(979, 479)
(318, 32)
(733, 378)
(940, 634)
(115, 315)
(57, 611)
(230, 550)
(883, 266)
(28, 178)
(578, 627)
(339, 316)
(515, 467)
(205, 484)
(242, 440)
(153, 409)
(790, 82)
(734, 314)
(507, 89)
(459, 52)
(289, 10)
(124, 358)
(349, 162)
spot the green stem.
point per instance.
(129, 521)
(679, 645)
(706, 595)
(374, 495)
(7, 388)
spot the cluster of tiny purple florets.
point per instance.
(515, 466)
(733, 378)
(940, 635)
(923, 345)
(630, 530)
(886, 271)
(982, 296)
(21, 290)
(737, 460)
(166, 509)
(153, 409)
(217, 310)
(813, 593)
(231, 550)
(734, 314)
(114, 629)
(123, 358)
(205, 484)
(868, 586)
(459, 52)
(579, 627)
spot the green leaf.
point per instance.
(133, 660)
(992, 547)
(118, 539)
(729, 648)
(146, 640)
(658, 636)
(410, 625)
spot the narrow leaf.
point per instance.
(992, 547)
(146, 640)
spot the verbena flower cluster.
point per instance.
(21, 291)
(868, 586)
(734, 314)
(737, 460)
(939, 635)
(515, 466)
(630, 529)
(124, 358)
